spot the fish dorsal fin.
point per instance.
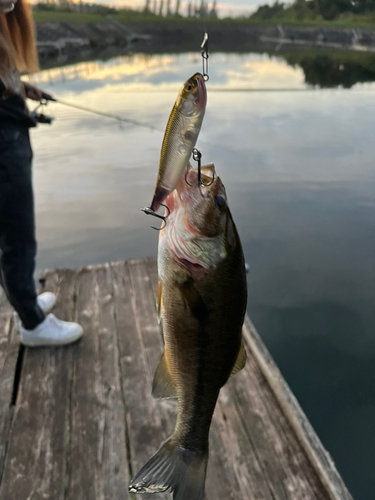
(159, 301)
(240, 361)
(162, 386)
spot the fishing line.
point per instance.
(121, 120)
(46, 119)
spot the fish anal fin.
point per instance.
(240, 361)
(163, 386)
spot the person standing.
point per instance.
(37, 325)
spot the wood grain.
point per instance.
(98, 457)
(36, 461)
(9, 351)
(146, 418)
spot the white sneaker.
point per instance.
(46, 301)
(51, 332)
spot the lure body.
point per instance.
(180, 136)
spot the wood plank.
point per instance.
(98, 458)
(85, 420)
(319, 458)
(283, 462)
(147, 420)
(229, 440)
(9, 351)
(36, 460)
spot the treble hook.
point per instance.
(197, 155)
(205, 56)
(148, 211)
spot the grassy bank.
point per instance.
(344, 21)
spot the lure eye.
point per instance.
(220, 202)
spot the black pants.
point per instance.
(17, 225)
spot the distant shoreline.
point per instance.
(75, 39)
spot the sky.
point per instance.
(225, 8)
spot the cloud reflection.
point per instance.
(142, 73)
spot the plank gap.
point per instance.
(15, 385)
(17, 375)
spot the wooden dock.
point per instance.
(77, 422)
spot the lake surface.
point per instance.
(299, 167)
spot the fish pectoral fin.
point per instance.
(240, 361)
(193, 300)
(159, 301)
(163, 386)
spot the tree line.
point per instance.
(167, 9)
(312, 9)
(160, 8)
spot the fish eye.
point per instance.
(220, 202)
(189, 87)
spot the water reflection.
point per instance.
(281, 70)
(143, 72)
(334, 69)
(300, 175)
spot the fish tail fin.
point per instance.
(173, 468)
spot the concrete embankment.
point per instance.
(75, 38)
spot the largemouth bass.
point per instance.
(202, 301)
(180, 136)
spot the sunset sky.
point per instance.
(225, 7)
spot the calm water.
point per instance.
(300, 174)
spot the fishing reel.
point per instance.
(41, 117)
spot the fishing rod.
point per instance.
(46, 98)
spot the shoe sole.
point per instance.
(52, 343)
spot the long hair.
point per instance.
(17, 39)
